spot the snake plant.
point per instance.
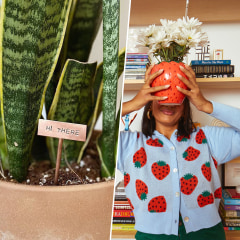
(44, 46)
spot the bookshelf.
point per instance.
(214, 11)
(133, 85)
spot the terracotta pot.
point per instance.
(81, 212)
(169, 77)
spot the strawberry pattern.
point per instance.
(188, 183)
(160, 169)
(205, 198)
(200, 137)
(191, 154)
(140, 158)
(154, 142)
(157, 204)
(206, 171)
(141, 189)
(126, 179)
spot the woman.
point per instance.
(170, 168)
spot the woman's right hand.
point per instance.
(145, 94)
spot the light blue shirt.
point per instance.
(178, 175)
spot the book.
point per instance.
(135, 77)
(144, 60)
(233, 193)
(135, 67)
(203, 69)
(210, 62)
(136, 63)
(124, 220)
(123, 213)
(227, 200)
(209, 75)
(123, 226)
(228, 213)
(231, 228)
(137, 55)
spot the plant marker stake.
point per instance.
(61, 130)
(58, 161)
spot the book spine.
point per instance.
(123, 227)
(210, 62)
(123, 213)
(123, 220)
(231, 228)
(135, 77)
(145, 60)
(135, 67)
(212, 69)
(137, 56)
(124, 207)
(209, 75)
(232, 207)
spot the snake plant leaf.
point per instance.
(73, 102)
(85, 25)
(98, 87)
(31, 33)
(3, 148)
(111, 12)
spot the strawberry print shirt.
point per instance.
(163, 177)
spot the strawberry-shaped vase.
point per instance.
(169, 77)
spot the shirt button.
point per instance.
(172, 148)
(177, 194)
(175, 170)
(186, 219)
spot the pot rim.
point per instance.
(69, 188)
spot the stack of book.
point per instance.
(135, 67)
(230, 209)
(123, 218)
(212, 68)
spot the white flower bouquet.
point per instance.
(173, 39)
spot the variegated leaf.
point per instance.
(32, 33)
(73, 102)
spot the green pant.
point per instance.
(214, 233)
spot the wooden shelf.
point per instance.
(149, 12)
(230, 235)
(133, 85)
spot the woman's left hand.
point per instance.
(194, 93)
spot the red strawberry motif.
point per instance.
(200, 137)
(157, 204)
(160, 169)
(188, 183)
(154, 142)
(140, 158)
(183, 138)
(191, 154)
(138, 135)
(169, 77)
(126, 179)
(130, 203)
(141, 189)
(218, 193)
(206, 171)
(215, 162)
(205, 198)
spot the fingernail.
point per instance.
(167, 86)
(178, 87)
(161, 70)
(179, 75)
(181, 67)
(163, 98)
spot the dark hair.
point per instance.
(185, 124)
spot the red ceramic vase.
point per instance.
(169, 77)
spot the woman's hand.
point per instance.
(194, 93)
(145, 94)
